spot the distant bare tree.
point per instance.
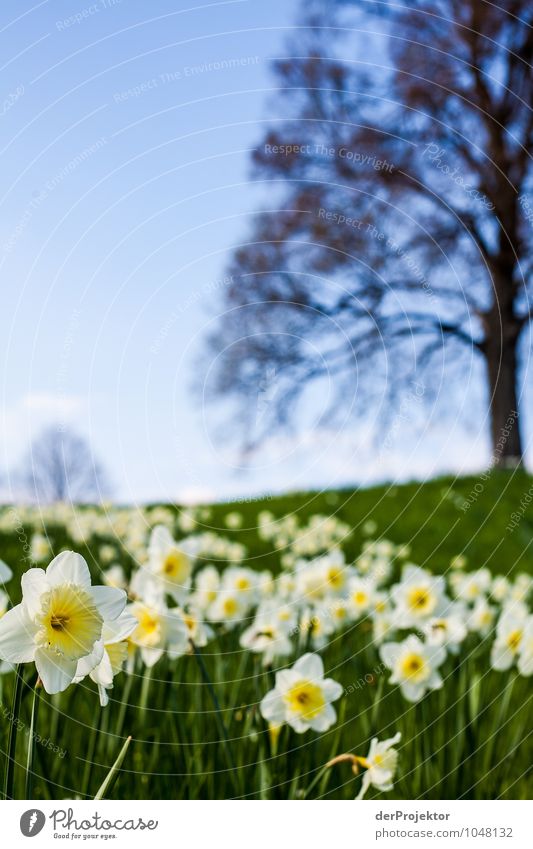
(396, 241)
(60, 466)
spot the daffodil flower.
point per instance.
(229, 608)
(525, 653)
(380, 765)
(414, 666)
(207, 583)
(169, 564)
(481, 617)
(158, 630)
(418, 597)
(302, 697)
(509, 634)
(59, 621)
(268, 635)
(114, 637)
(448, 631)
(199, 632)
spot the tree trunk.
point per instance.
(500, 354)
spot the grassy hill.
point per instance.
(440, 519)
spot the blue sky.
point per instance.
(125, 131)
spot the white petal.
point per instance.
(364, 785)
(286, 679)
(272, 708)
(310, 666)
(151, 656)
(332, 689)
(17, 634)
(525, 664)
(160, 541)
(88, 663)
(501, 657)
(69, 568)
(104, 698)
(436, 655)
(391, 741)
(103, 673)
(388, 653)
(299, 725)
(325, 720)
(5, 573)
(55, 672)
(110, 601)
(435, 682)
(34, 585)
(119, 629)
(412, 692)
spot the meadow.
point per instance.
(222, 597)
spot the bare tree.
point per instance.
(397, 240)
(60, 466)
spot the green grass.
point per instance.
(468, 740)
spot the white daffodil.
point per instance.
(159, 631)
(448, 631)
(199, 631)
(229, 608)
(335, 573)
(418, 597)
(107, 553)
(59, 620)
(115, 639)
(286, 585)
(509, 634)
(383, 624)
(525, 652)
(5, 573)
(266, 584)
(302, 697)
(310, 581)
(339, 613)
(233, 520)
(241, 581)
(169, 564)
(500, 588)
(481, 618)
(361, 592)
(206, 587)
(317, 626)
(521, 587)
(469, 586)
(414, 666)
(267, 636)
(380, 765)
(40, 548)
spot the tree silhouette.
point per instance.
(60, 467)
(396, 243)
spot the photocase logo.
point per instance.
(32, 822)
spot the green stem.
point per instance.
(112, 775)
(316, 779)
(218, 716)
(28, 794)
(12, 740)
